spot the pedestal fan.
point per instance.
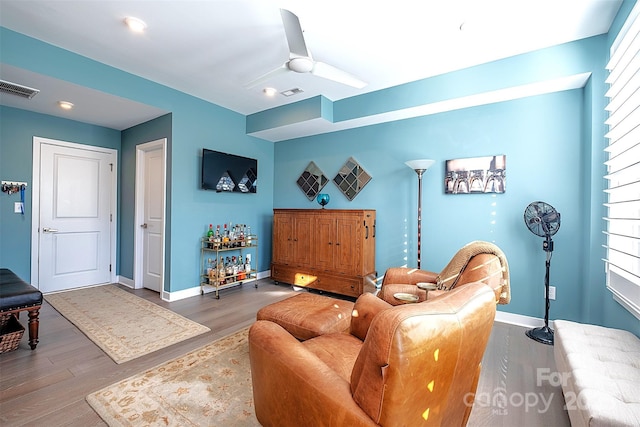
(544, 221)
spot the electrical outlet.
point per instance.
(17, 207)
(552, 292)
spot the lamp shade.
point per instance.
(420, 164)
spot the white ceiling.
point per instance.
(211, 49)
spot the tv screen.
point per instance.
(224, 172)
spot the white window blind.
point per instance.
(623, 167)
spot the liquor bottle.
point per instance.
(233, 236)
(241, 238)
(225, 237)
(241, 273)
(247, 264)
(209, 236)
(248, 236)
(217, 239)
(229, 268)
(234, 263)
(211, 271)
(221, 272)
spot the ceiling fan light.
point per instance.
(301, 65)
(136, 25)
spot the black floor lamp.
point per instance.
(420, 166)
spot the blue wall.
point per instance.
(541, 137)
(17, 129)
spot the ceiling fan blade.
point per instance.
(271, 74)
(293, 31)
(330, 72)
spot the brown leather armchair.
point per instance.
(476, 261)
(407, 365)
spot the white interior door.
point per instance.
(150, 202)
(74, 217)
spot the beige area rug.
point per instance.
(123, 325)
(210, 386)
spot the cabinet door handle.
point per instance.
(337, 244)
(366, 229)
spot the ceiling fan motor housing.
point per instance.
(301, 64)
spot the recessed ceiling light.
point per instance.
(136, 25)
(269, 91)
(65, 105)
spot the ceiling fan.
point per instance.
(300, 60)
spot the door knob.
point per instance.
(49, 230)
(144, 225)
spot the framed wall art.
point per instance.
(476, 175)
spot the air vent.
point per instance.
(292, 92)
(16, 89)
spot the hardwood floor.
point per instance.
(48, 386)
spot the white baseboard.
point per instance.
(129, 283)
(195, 291)
(519, 320)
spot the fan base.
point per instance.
(543, 334)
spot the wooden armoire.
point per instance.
(331, 250)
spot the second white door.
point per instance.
(150, 202)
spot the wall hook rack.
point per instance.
(11, 187)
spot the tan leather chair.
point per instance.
(407, 365)
(476, 261)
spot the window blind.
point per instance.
(623, 167)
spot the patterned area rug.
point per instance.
(123, 325)
(210, 386)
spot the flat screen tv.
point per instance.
(225, 172)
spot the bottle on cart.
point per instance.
(229, 268)
(217, 238)
(225, 237)
(241, 273)
(233, 237)
(241, 237)
(210, 236)
(247, 264)
(248, 235)
(221, 272)
(234, 263)
(212, 271)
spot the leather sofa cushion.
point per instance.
(337, 351)
(308, 315)
(15, 293)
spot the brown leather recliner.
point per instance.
(477, 261)
(407, 365)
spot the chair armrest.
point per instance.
(364, 310)
(293, 387)
(404, 275)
